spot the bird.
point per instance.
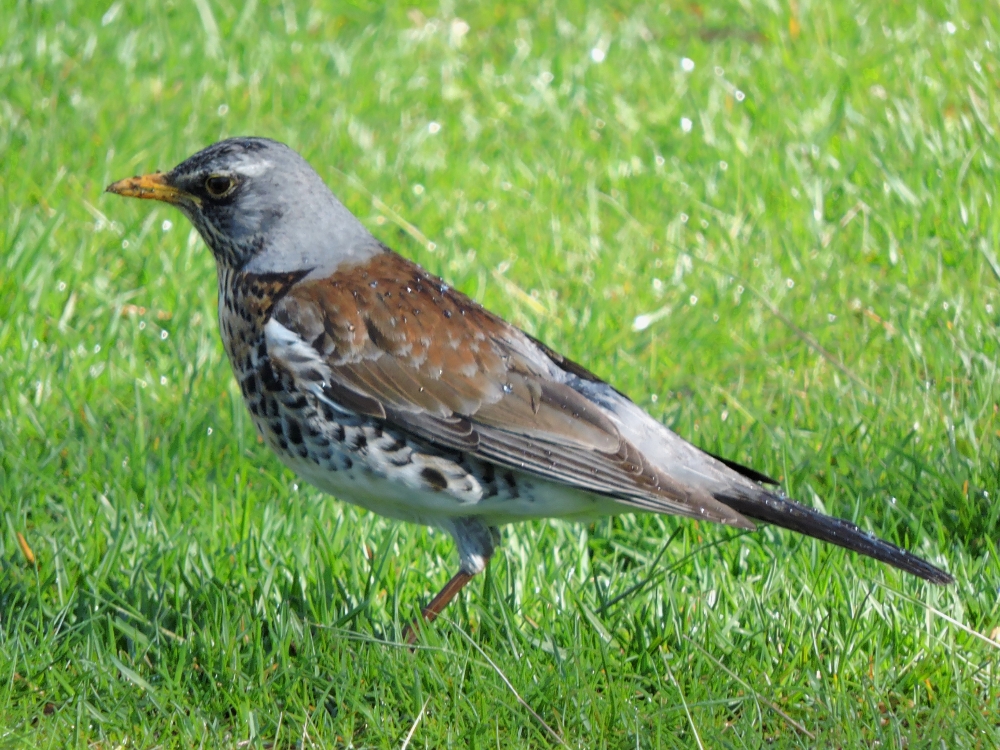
(383, 386)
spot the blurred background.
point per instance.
(771, 224)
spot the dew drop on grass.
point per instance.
(167, 225)
(687, 64)
(597, 55)
(433, 128)
(686, 124)
(209, 431)
(740, 96)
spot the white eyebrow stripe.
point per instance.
(254, 168)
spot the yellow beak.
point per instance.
(149, 187)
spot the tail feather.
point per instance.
(769, 508)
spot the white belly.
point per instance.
(535, 498)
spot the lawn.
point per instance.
(772, 225)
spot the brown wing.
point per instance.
(397, 344)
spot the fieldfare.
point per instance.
(378, 383)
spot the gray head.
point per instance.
(259, 206)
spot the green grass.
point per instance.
(819, 258)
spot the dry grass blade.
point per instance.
(938, 613)
(416, 721)
(770, 704)
(555, 735)
(687, 710)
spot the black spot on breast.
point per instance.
(312, 374)
(250, 384)
(434, 478)
(400, 458)
(338, 432)
(348, 463)
(327, 411)
(268, 377)
(293, 430)
(270, 407)
(511, 481)
(360, 441)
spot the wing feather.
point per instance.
(396, 344)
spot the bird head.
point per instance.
(258, 205)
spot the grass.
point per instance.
(807, 281)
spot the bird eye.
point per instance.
(219, 185)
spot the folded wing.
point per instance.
(392, 342)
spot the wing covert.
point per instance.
(394, 343)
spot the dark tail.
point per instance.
(789, 514)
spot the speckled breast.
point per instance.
(245, 303)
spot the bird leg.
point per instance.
(437, 604)
(476, 542)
